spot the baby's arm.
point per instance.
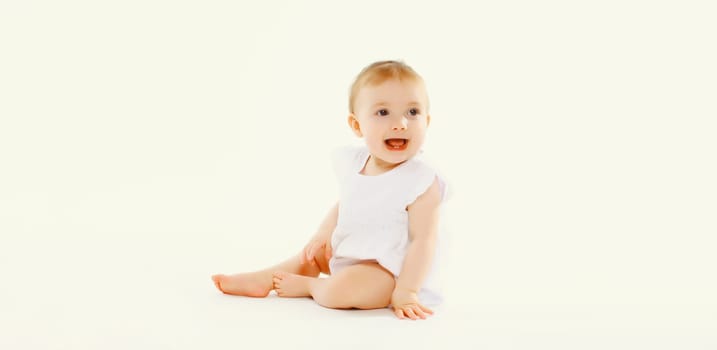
(423, 216)
(322, 237)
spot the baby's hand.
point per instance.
(405, 304)
(311, 248)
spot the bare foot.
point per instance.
(254, 284)
(290, 285)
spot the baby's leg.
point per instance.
(366, 285)
(259, 283)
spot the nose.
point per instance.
(399, 124)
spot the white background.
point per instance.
(145, 145)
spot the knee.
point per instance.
(333, 295)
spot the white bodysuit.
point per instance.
(373, 220)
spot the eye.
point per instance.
(382, 112)
(414, 112)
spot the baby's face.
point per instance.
(392, 117)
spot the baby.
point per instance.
(378, 242)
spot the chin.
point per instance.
(397, 157)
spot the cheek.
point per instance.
(372, 131)
(375, 137)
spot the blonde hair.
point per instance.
(377, 73)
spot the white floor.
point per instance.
(93, 299)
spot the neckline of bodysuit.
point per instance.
(365, 156)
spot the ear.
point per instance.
(428, 120)
(355, 125)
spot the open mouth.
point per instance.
(396, 144)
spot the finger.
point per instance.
(398, 313)
(425, 309)
(307, 253)
(410, 313)
(328, 251)
(312, 253)
(419, 312)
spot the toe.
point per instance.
(217, 282)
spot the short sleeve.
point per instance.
(424, 176)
